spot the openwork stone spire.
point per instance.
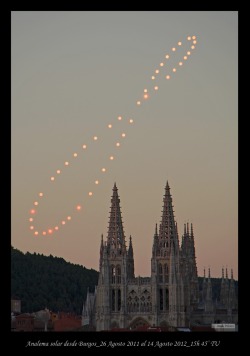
(167, 227)
(116, 237)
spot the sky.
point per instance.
(75, 73)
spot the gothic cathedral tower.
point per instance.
(166, 279)
(116, 266)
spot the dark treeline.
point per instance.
(45, 281)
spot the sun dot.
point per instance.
(66, 163)
(117, 144)
(31, 219)
(63, 222)
(194, 42)
(95, 138)
(185, 58)
(156, 88)
(52, 178)
(78, 207)
(90, 194)
(153, 77)
(111, 158)
(68, 217)
(32, 211)
(174, 69)
(180, 63)
(173, 49)
(84, 147)
(145, 96)
(75, 154)
(103, 169)
(188, 53)
(157, 71)
(131, 121)
(58, 171)
(145, 90)
(189, 38)
(50, 231)
(31, 227)
(167, 76)
(97, 182)
(138, 102)
(123, 134)
(179, 43)
(36, 233)
(36, 203)
(167, 56)
(192, 47)
(119, 118)
(56, 227)
(161, 64)
(40, 194)
(44, 233)
(194, 37)
(110, 126)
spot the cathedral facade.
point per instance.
(170, 297)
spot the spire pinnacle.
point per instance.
(116, 236)
(226, 274)
(204, 273)
(167, 229)
(208, 272)
(232, 274)
(192, 231)
(185, 231)
(130, 248)
(167, 186)
(130, 257)
(222, 272)
(156, 230)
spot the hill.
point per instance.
(45, 281)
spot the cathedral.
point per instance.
(170, 297)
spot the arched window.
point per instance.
(113, 300)
(119, 300)
(166, 278)
(160, 273)
(160, 268)
(118, 274)
(113, 274)
(161, 299)
(165, 268)
(167, 299)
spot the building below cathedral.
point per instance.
(170, 297)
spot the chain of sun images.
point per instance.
(145, 96)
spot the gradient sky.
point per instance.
(73, 73)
